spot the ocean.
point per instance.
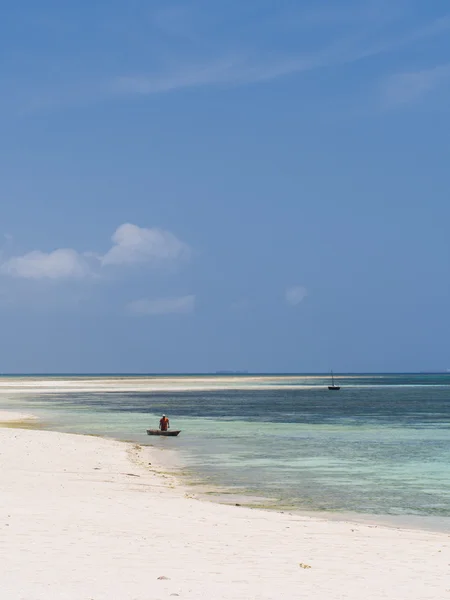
(378, 447)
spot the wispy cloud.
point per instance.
(193, 47)
(404, 88)
(221, 71)
(245, 68)
(162, 306)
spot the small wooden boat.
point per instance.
(171, 433)
(332, 386)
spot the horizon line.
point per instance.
(217, 373)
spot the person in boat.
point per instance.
(164, 423)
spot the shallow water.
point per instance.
(381, 445)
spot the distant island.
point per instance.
(231, 373)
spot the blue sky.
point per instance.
(216, 185)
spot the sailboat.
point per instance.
(332, 386)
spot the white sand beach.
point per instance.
(86, 518)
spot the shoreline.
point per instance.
(226, 497)
(169, 462)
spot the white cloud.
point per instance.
(64, 263)
(133, 244)
(295, 294)
(162, 306)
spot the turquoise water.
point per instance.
(381, 445)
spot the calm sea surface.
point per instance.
(380, 445)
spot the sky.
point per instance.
(212, 185)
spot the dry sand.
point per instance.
(85, 518)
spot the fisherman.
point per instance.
(164, 424)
